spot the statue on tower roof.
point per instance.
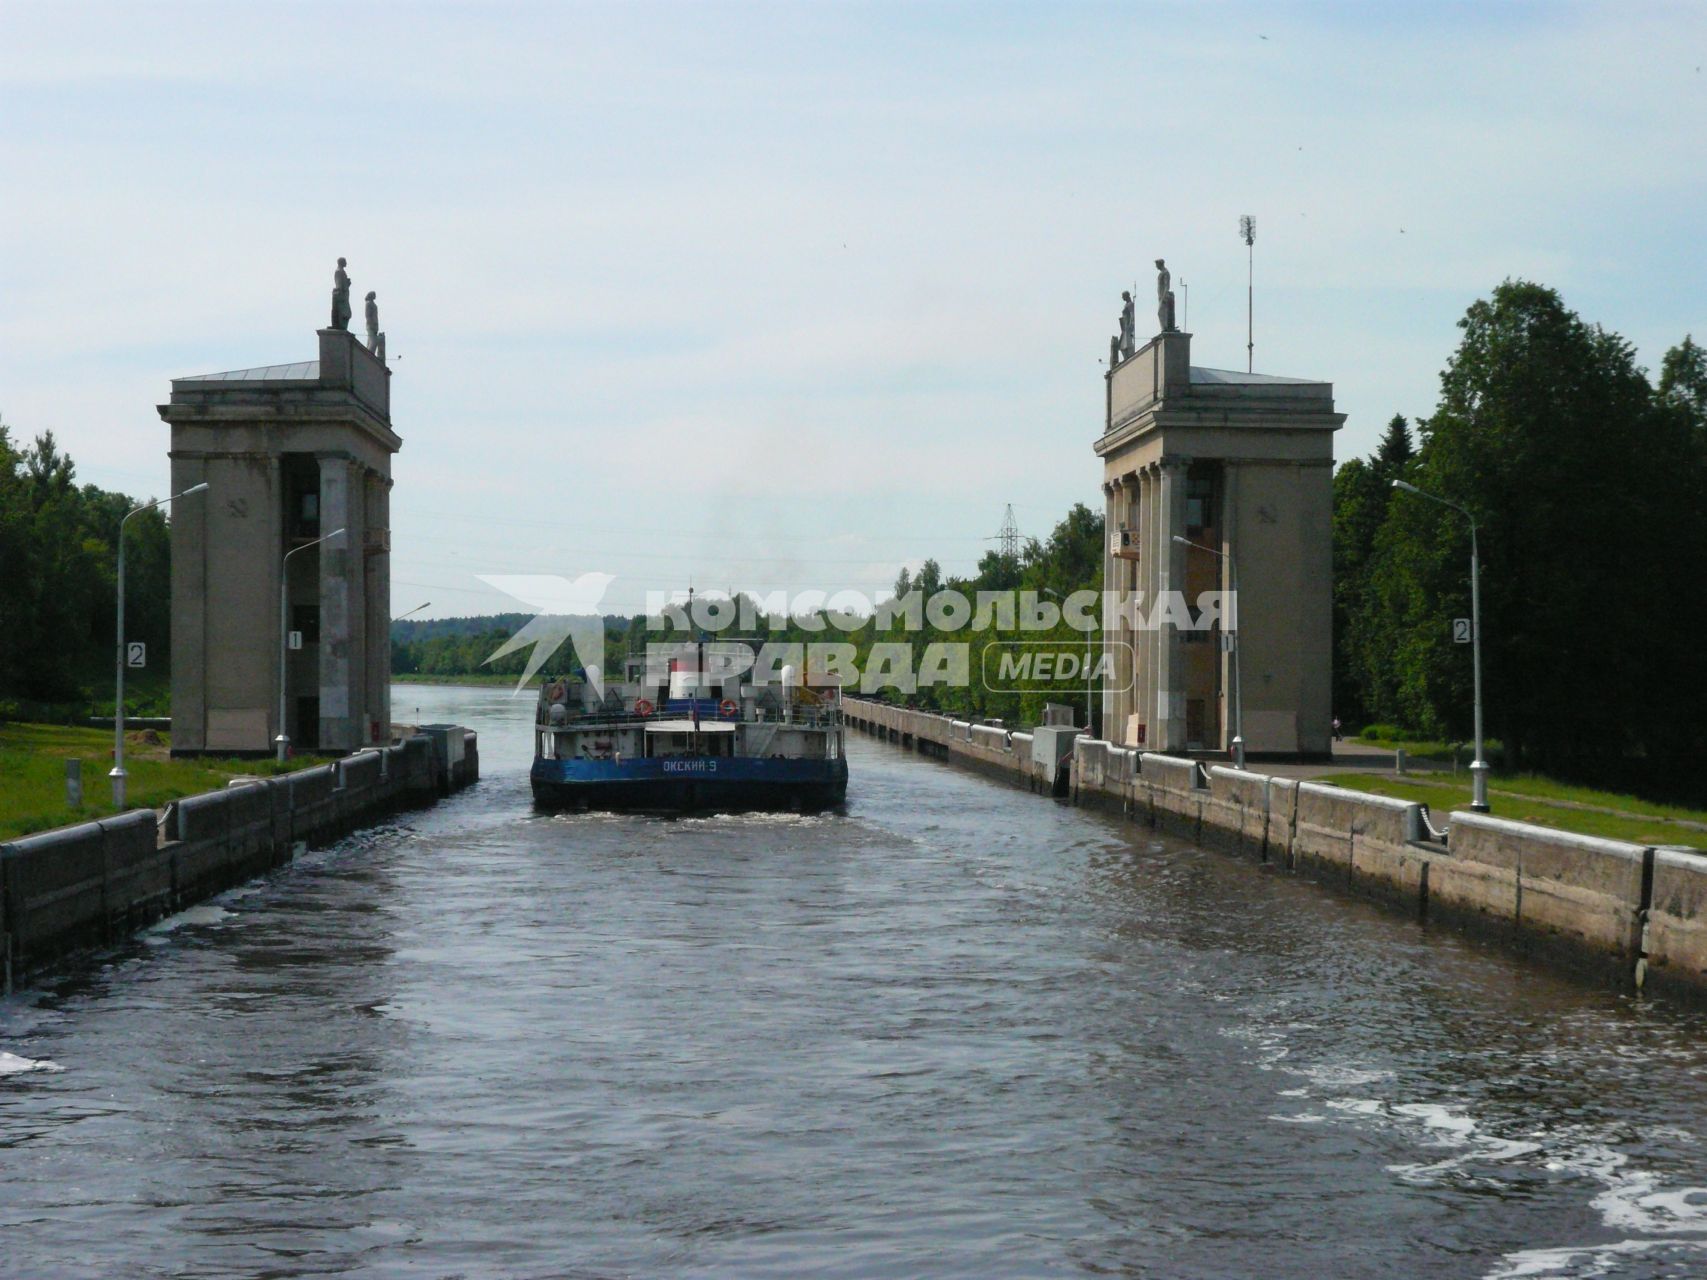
(1164, 297)
(340, 297)
(375, 339)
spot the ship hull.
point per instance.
(726, 784)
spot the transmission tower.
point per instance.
(1008, 534)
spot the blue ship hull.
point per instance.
(683, 784)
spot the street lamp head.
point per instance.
(336, 533)
(195, 488)
(1407, 487)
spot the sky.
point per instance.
(785, 297)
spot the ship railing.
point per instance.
(823, 716)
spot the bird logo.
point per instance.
(564, 610)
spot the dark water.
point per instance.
(960, 1031)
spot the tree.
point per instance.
(929, 579)
(1548, 433)
(58, 550)
(1395, 451)
(1364, 689)
(1683, 385)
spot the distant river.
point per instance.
(957, 1031)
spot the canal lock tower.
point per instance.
(1242, 464)
(290, 453)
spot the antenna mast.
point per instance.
(1248, 233)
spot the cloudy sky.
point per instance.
(787, 296)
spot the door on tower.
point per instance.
(307, 735)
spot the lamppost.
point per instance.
(412, 612)
(1479, 767)
(118, 774)
(1090, 679)
(283, 740)
(1238, 677)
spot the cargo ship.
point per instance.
(700, 735)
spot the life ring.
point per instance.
(729, 707)
(557, 692)
(642, 707)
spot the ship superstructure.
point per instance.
(690, 729)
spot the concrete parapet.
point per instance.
(450, 745)
(1676, 939)
(208, 848)
(139, 885)
(1359, 836)
(360, 771)
(469, 770)
(55, 887)
(80, 885)
(1554, 886)
(204, 817)
(313, 802)
(1171, 791)
(1282, 819)
(1103, 773)
(1237, 809)
(1052, 747)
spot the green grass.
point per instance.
(1634, 820)
(32, 774)
(1389, 738)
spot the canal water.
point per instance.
(956, 1031)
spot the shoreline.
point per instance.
(462, 682)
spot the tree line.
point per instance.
(1586, 482)
(461, 646)
(58, 581)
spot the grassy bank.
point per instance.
(146, 694)
(1544, 802)
(32, 774)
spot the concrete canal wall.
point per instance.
(1625, 909)
(90, 884)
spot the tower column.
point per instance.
(1144, 700)
(1111, 627)
(338, 604)
(1170, 665)
(376, 564)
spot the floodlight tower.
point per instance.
(1248, 233)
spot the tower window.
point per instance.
(1199, 502)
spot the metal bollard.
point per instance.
(73, 784)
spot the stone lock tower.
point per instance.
(290, 453)
(1241, 465)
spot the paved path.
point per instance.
(1347, 755)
